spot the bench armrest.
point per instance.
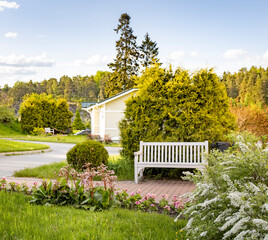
(137, 153)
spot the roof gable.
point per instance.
(121, 94)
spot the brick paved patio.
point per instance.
(157, 187)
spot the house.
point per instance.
(106, 115)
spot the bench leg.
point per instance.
(136, 171)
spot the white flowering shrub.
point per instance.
(231, 196)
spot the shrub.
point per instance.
(6, 114)
(87, 152)
(252, 119)
(78, 123)
(172, 107)
(44, 111)
(230, 200)
(94, 137)
(38, 131)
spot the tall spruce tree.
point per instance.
(125, 66)
(149, 52)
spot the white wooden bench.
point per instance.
(49, 130)
(169, 155)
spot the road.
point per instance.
(8, 164)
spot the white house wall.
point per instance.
(114, 112)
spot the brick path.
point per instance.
(157, 187)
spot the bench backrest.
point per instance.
(173, 152)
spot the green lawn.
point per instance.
(124, 170)
(21, 220)
(13, 146)
(13, 131)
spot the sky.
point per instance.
(42, 39)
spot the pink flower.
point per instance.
(165, 196)
(175, 198)
(153, 196)
(167, 207)
(139, 191)
(137, 202)
(35, 183)
(152, 205)
(4, 178)
(132, 194)
(125, 189)
(16, 184)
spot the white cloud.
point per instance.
(194, 54)
(234, 53)
(93, 61)
(176, 55)
(16, 71)
(6, 4)
(11, 35)
(23, 61)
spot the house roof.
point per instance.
(121, 94)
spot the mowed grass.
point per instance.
(13, 131)
(124, 170)
(13, 146)
(21, 220)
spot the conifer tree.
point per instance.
(125, 66)
(176, 107)
(149, 52)
(78, 123)
(42, 111)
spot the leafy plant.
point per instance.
(81, 192)
(230, 200)
(6, 114)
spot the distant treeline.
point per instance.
(75, 89)
(248, 86)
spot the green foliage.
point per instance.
(62, 115)
(78, 123)
(6, 114)
(248, 86)
(175, 107)
(230, 199)
(101, 78)
(82, 193)
(38, 131)
(44, 111)
(125, 66)
(87, 152)
(149, 52)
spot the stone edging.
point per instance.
(25, 152)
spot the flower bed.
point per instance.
(78, 189)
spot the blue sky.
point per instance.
(40, 39)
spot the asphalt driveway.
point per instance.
(8, 164)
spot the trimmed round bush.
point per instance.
(87, 152)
